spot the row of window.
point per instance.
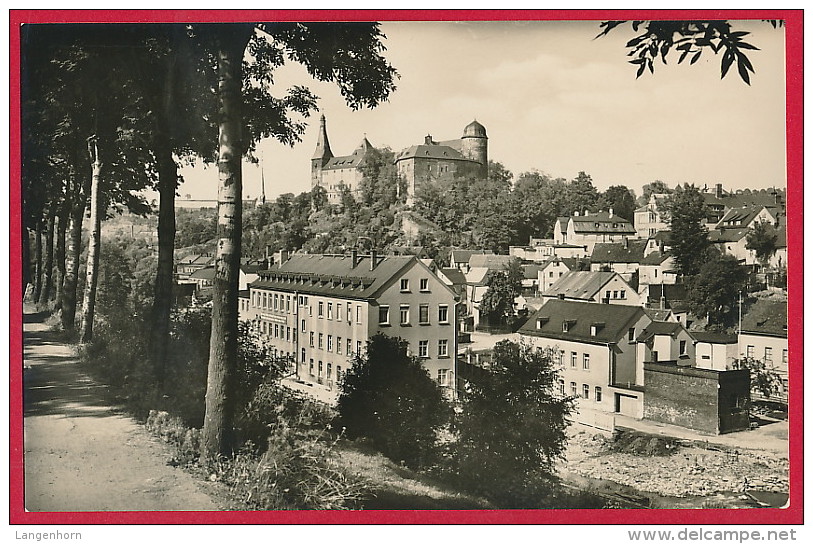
(585, 392)
(278, 331)
(423, 285)
(318, 342)
(320, 369)
(321, 306)
(768, 354)
(275, 301)
(622, 294)
(404, 314)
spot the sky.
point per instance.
(552, 99)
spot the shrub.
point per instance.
(389, 398)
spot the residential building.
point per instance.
(649, 219)
(666, 341)
(320, 311)
(764, 336)
(591, 229)
(595, 346)
(552, 270)
(622, 257)
(596, 287)
(459, 258)
(658, 268)
(715, 351)
(540, 250)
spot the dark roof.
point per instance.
(206, 273)
(463, 255)
(334, 275)
(547, 321)
(532, 271)
(663, 236)
(722, 235)
(656, 314)
(355, 160)
(741, 216)
(714, 337)
(769, 317)
(493, 262)
(474, 129)
(765, 197)
(617, 253)
(454, 275)
(655, 258)
(601, 222)
(579, 284)
(433, 151)
(659, 328)
(243, 293)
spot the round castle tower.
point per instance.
(475, 144)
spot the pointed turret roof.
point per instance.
(322, 144)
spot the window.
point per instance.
(423, 314)
(349, 347)
(288, 303)
(321, 312)
(303, 325)
(550, 274)
(303, 355)
(768, 354)
(597, 396)
(606, 294)
(586, 391)
(330, 342)
(424, 284)
(631, 334)
(358, 347)
(330, 310)
(320, 368)
(443, 376)
(562, 387)
(565, 326)
(350, 312)
(338, 373)
(573, 358)
(573, 391)
(321, 341)
(404, 315)
(615, 294)
(443, 314)
(276, 330)
(338, 311)
(749, 351)
(287, 334)
(276, 301)
(785, 356)
(339, 345)
(623, 293)
(358, 314)
(384, 315)
(683, 347)
(586, 361)
(310, 369)
(265, 300)
(329, 370)
(404, 284)
(443, 348)
(311, 342)
(423, 348)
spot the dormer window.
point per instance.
(541, 321)
(567, 324)
(595, 328)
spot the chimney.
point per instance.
(663, 302)
(611, 212)
(586, 213)
(719, 191)
(354, 256)
(626, 242)
(576, 213)
(283, 256)
(373, 259)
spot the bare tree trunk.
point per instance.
(217, 426)
(48, 266)
(61, 228)
(89, 301)
(38, 261)
(72, 266)
(162, 304)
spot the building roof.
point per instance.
(206, 273)
(612, 321)
(659, 328)
(335, 275)
(741, 216)
(354, 160)
(657, 314)
(431, 151)
(474, 129)
(721, 235)
(531, 271)
(492, 262)
(463, 255)
(629, 252)
(714, 337)
(663, 236)
(768, 317)
(579, 284)
(671, 292)
(601, 222)
(765, 197)
(454, 275)
(655, 258)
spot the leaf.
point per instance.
(640, 71)
(683, 56)
(744, 72)
(728, 58)
(695, 57)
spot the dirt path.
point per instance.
(81, 454)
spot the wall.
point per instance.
(715, 356)
(704, 400)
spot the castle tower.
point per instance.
(321, 155)
(475, 145)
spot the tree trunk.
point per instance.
(162, 304)
(217, 426)
(73, 252)
(38, 261)
(48, 265)
(61, 228)
(26, 258)
(89, 301)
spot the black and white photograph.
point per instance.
(529, 262)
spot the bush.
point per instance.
(389, 398)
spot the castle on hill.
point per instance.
(428, 162)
